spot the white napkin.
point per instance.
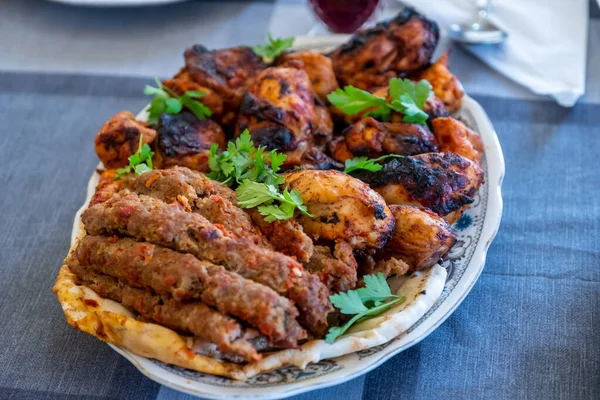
(547, 45)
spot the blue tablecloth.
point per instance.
(528, 330)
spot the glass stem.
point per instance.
(484, 10)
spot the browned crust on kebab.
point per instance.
(195, 318)
(152, 220)
(185, 278)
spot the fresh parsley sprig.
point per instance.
(139, 162)
(369, 164)
(242, 160)
(247, 166)
(167, 101)
(372, 300)
(406, 96)
(272, 204)
(273, 47)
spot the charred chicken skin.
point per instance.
(454, 137)
(374, 139)
(119, 138)
(390, 49)
(319, 69)
(183, 82)
(343, 209)
(444, 83)
(281, 112)
(228, 72)
(185, 140)
(421, 238)
(443, 182)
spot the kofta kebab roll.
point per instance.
(184, 277)
(218, 203)
(155, 221)
(195, 318)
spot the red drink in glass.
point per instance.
(344, 16)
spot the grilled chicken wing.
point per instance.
(119, 138)
(444, 83)
(185, 140)
(421, 238)
(454, 137)
(374, 139)
(319, 70)
(343, 208)
(388, 50)
(228, 72)
(281, 112)
(443, 182)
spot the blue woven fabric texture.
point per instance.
(528, 330)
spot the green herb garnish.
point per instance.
(273, 47)
(272, 204)
(407, 97)
(247, 166)
(372, 300)
(242, 160)
(139, 162)
(369, 164)
(167, 101)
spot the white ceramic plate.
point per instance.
(475, 231)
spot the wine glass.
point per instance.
(343, 16)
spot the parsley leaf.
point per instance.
(247, 166)
(352, 101)
(273, 47)
(365, 303)
(406, 96)
(139, 162)
(409, 99)
(262, 195)
(166, 101)
(242, 161)
(369, 164)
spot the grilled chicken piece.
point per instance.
(443, 182)
(454, 137)
(228, 72)
(119, 138)
(444, 83)
(421, 238)
(388, 50)
(343, 209)
(315, 158)
(374, 139)
(185, 140)
(281, 112)
(336, 270)
(319, 69)
(183, 82)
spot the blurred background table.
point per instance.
(529, 328)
